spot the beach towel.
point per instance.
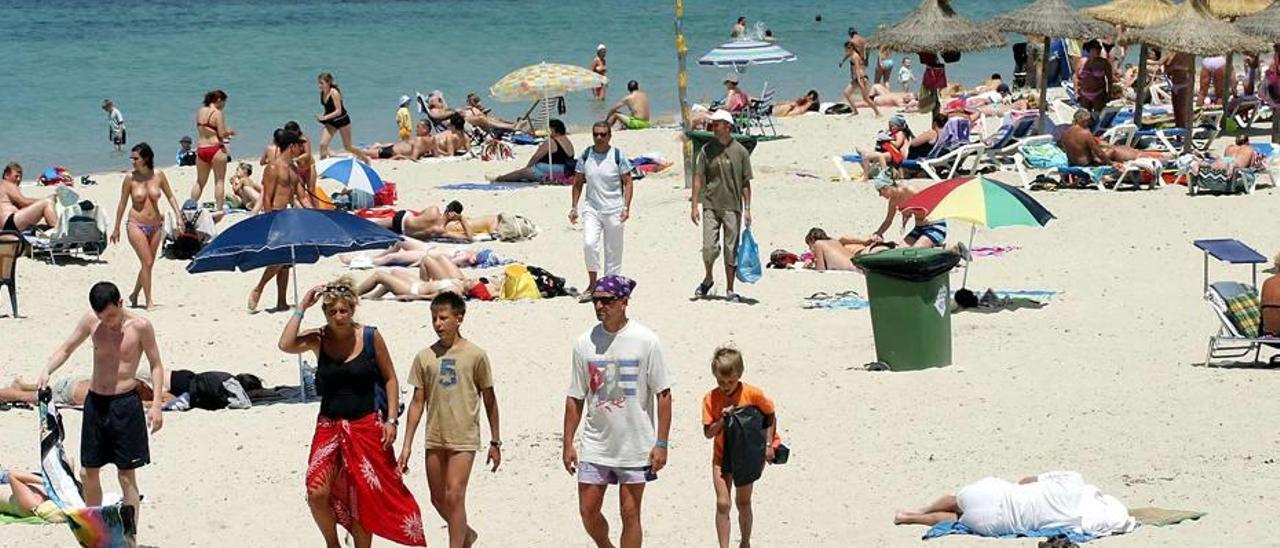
(96, 527)
(1245, 312)
(1161, 517)
(490, 186)
(1044, 156)
(956, 528)
(992, 250)
(6, 519)
(845, 300)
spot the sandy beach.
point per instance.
(1105, 380)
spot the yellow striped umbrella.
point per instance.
(545, 80)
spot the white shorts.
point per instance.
(982, 507)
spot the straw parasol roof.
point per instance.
(1231, 9)
(1134, 13)
(1196, 31)
(1265, 24)
(1053, 18)
(935, 27)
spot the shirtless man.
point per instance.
(637, 102)
(419, 146)
(1239, 155)
(601, 67)
(838, 253)
(281, 187)
(430, 223)
(1083, 149)
(453, 142)
(114, 430)
(18, 212)
(855, 52)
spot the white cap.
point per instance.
(721, 115)
(600, 47)
(404, 100)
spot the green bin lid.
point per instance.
(909, 263)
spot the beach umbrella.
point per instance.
(1135, 14)
(1232, 9)
(351, 173)
(1195, 31)
(1264, 24)
(978, 201)
(1050, 18)
(935, 27)
(740, 53)
(289, 237)
(544, 80)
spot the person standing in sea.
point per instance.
(601, 67)
(335, 118)
(115, 125)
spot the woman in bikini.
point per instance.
(335, 118)
(212, 136)
(142, 190)
(1094, 80)
(924, 234)
(838, 253)
(434, 275)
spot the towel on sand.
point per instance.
(992, 250)
(489, 186)
(1160, 517)
(956, 528)
(845, 300)
(32, 520)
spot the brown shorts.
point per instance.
(715, 222)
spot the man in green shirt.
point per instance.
(722, 187)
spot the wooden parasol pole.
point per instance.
(682, 85)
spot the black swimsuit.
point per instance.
(329, 108)
(347, 388)
(10, 223)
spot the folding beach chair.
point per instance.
(758, 115)
(82, 230)
(949, 155)
(1205, 128)
(1235, 304)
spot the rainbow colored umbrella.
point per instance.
(980, 202)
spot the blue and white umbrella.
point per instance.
(741, 53)
(352, 173)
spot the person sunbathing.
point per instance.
(553, 160)
(1085, 150)
(838, 253)
(477, 115)
(802, 105)
(1270, 297)
(882, 96)
(17, 211)
(454, 141)
(431, 223)
(434, 276)
(22, 494)
(900, 144)
(997, 507)
(68, 391)
(244, 188)
(410, 251)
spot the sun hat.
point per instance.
(731, 78)
(601, 47)
(721, 115)
(882, 181)
(185, 139)
(404, 100)
(897, 120)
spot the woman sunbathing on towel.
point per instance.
(882, 96)
(22, 494)
(838, 253)
(410, 251)
(802, 105)
(434, 276)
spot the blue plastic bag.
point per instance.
(748, 258)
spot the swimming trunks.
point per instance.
(10, 223)
(636, 123)
(1214, 64)
(934, 231)
(397, 221)
(208, 152)
(385, 153)
(114, 431)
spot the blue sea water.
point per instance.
(157, 58)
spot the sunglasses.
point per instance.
(604, 300)
(595, 134)
(333, 292)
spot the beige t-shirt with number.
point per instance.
(453, 378)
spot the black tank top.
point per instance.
(347, 389)
(558, 156)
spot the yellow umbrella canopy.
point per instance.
(1196, 31)
(1265, 24)
(1134, 13)
(935, 27)
(544, 80)
(1231, 9)
(1053, 18)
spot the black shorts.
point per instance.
(385, 153)
(397, 222)
(114, 432)
(117, 138)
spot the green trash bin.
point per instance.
(910, 306)
(702, 137)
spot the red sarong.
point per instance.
(364, 476)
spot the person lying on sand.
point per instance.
(430, 223)
(802, 105)
(410, 251)
(434, 276)
(68, 391)
(996, 507)
(1083, 149)
(421, 145)
(22, 494)
(882, 96)
(838, 253)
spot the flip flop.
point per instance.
(703, 289)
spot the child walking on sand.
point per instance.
(729, 395)
(450, 378)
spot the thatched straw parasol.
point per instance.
(1265, 24)
(1196, 31)
(1050, 18)
(1136, 14)
(935, 27)
(1232, 9)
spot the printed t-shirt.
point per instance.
(453, 378)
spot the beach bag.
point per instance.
(950, 57)
(386, 196)
(519, 284)
(549, 285)
(1044, 156)
(748, 258)
(512, 228)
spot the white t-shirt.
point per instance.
(618, 376)
(603, 174)
(993, 506)
(904, 74)
(115, 119)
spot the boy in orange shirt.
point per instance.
(729, 395)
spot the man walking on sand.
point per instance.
(855, 52)
(722, 186)
(618, 373)
(115, 426)
(606, 173)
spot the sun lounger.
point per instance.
(1235, 304)
(81, 231)
(1022, 158)
(11, 244)
(1205, 128)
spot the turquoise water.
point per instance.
(156, 59)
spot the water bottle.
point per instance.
(308, 373)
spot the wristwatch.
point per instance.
(393, 422)
(496, 443)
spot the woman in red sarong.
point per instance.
(352, 478)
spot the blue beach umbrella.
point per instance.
(352, 173)
(740, 53)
